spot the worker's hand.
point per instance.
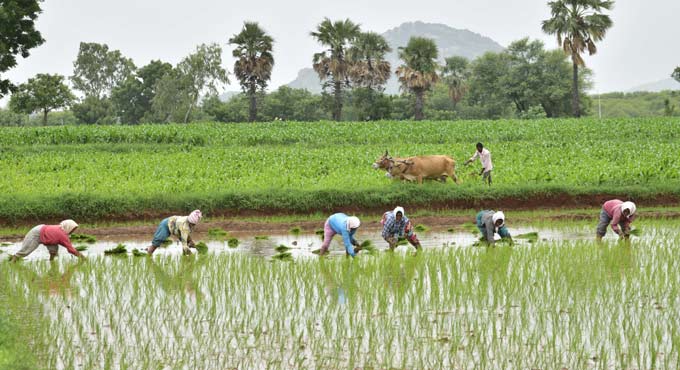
(191, 244)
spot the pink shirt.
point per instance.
(484, 157)
(54, 235)
(613, 209)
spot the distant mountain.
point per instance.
(665, 84)
(450, 41)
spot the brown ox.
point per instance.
(437, 167)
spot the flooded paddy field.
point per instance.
(560, 301)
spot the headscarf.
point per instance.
(399, 209)
(499, 216)
(353, 223)
(629, 206)
(195, 216)
(68, 225)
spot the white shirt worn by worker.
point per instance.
(485, 157)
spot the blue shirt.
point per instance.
(338, 222)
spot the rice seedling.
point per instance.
(166, 242)
(83, 238)
(261, 237)
(118, 249)
(296, 230)
(81, 248)
(5, 244)
(138, 253)
(202, 248)
(232, 242)
(283, 256)
(531, 237)
(217, 233)
(368, 247)
(282, 248)
(421, 228)
(637, 232)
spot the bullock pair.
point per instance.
(437, 167)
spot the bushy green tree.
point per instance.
(178, 92)
(332, 64)
(676, 74)
(254, 62)
(17, 34)
(293, 105)
(578, 25)
(368, 104)
(93, 110)
(132, 98)
(97, 70)
(524, 77)
(43, 93)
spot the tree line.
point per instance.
(525, 80)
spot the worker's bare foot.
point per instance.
(150, 249)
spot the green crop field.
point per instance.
(95, 172)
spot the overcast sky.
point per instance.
(641, 47)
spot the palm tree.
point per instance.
(332, 65)
(419, 73)
(455, 74)
(254, 62)
(578, 24)
(368, 65)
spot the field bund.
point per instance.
(148, 171)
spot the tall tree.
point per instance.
(578, 24)
(204, 72)
(198, 74)
(368, 67)
(96, 70)
(254, 62)
(43, 93)
(332, 65)
(132, 98)
(455, 75)
(419, 72)
(17, 34)
(676, 74)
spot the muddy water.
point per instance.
(303, 244)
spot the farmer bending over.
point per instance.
(490, 222)
(484, 156)
(340, 223)
(178, 226)
(396, 225)
(51, 236)
(620, 214)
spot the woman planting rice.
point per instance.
(620, 214)
(344, 225)
(178, 226)
(396, 225)
(51, 236)
(490, 222)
